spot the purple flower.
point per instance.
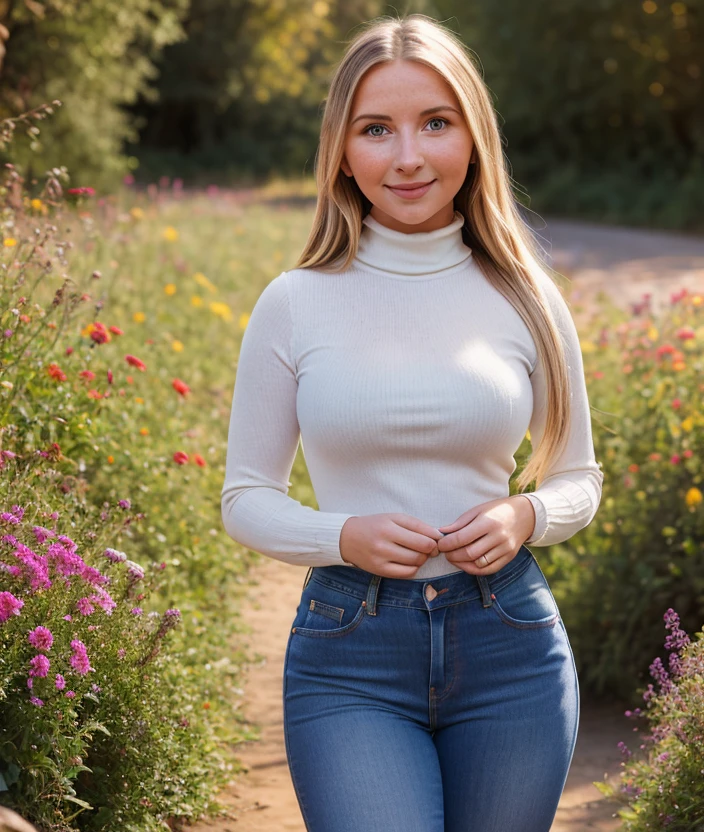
(134, 571)
(39, 665)
(114, 555)
(103, 599)
(66, 562)
(60, 682)
(41, 638)
(136, 610)
(126, 504)
(92, 576)
(35, 700)
(658, 672)
(9, 605)
(70, 694)
(68, 543)
(42, 534)
(35, 567)
(121, 653)
(10, 539)
(13, 516)
(79, 657)
(30, 683)
(625, 751)
(96, 688)
(68, 617)
(84, 606)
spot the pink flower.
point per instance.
(60, 682)
(41, 638)
(79, 657)
(39, 665)
(84, 606)
(35, 700)
(675, 459)
(9, 605)
(70, 694)
(181, 457)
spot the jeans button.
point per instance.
(430, 592)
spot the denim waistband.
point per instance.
(454, 588)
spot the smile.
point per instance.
(412, 193)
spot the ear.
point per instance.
(346, 169)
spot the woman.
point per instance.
(429, 685)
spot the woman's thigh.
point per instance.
(507, 725)
(360, 752)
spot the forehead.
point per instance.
(402, 85)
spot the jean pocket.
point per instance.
(326, 612)
(527, 602)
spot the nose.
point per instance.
(409, 156)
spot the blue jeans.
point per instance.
(442, 705)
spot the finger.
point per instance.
(414, 524)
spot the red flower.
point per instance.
(85, 191)
(95, 394)
(198, 459)
(89, 374)
(116, 330)
(69, 350)
(180, 387)
(663, 349)
(133, 361)
(685, 332)
(675, 297)
(688, 453)
(674, 459)
(634, 468)
(56, 372)
(676, 404)
(655, 456)
(181, 457)
(99, 333)
(109, 376)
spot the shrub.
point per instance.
(664, 788)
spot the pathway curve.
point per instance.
(622, 262)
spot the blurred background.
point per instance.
(600, 102)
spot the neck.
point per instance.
(422, 253)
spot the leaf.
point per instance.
(77, 801)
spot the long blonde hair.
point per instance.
(502, 245)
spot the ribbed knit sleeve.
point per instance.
(262, 443)
(566, 500)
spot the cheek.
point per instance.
(369, 163)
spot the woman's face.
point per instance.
(391, 141)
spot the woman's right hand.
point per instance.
(390, 545)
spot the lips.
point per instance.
(413, 192)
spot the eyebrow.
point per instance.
(423, 113)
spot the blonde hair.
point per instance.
(502, 245)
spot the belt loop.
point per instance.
(308, 576)
(487, 599)
(372, 594)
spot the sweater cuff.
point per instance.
(541, 518)
(327, 537)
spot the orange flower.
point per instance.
(198, 459)
(95, 394)
(655, 457)
(111, 459)
(181, 457)
(133, 361)
(678, 365)
(144, 431)
(634, 468)
(180, 387)
(56, 372)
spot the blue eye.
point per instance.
(367, 129)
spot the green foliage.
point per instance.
(96, 58)
(600, 103)
(662, 785)
(112, 432)
(643, 551)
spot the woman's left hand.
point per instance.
(487, 537)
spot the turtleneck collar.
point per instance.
(415, 254)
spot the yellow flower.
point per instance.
(203, 281)
(641, 495)
(177, 346)
(688, 424)
(587, 346)
(170, 289)
(196, 300)
(37, 204)
(139, 317)
(222, 310)
(137, 213)
(693, 497)
(170, 234)
(8, 242)
(244, 320)
(139, 399)
(653, 333)
(669, 531)
(144, 431)
(697, 300)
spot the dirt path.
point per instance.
(624, 263)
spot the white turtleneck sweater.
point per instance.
(410, 382)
